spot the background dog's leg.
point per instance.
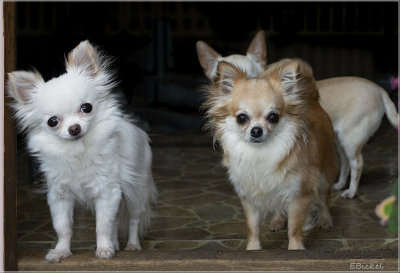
(356, 166)
(297, 214)
(106, 211)
(133, 240)
(62, 211)
(344, 168)
(253, 225)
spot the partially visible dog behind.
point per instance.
(278, 146)
(89, 151)
(355, 105)
(254, 62)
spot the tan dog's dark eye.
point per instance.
(86, 108)
(273, 118)
(242, 118)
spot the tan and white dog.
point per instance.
(355, 105)
(278, 145)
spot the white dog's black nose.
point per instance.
(74, 130)
(256, 132)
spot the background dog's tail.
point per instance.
(390, 109)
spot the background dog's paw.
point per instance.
(133, 247)
(348, 194)
(56, 255)
(105, 253)
(338, 186)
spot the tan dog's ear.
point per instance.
(21, 84)
(295, 70)
(208, 58)
(258, 49)
(290, 75)
(298, 82)
(227, 75)
(85, 58)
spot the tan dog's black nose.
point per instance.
(256, 132)
(74, 130)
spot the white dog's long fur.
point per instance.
(106, 167)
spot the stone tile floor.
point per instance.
(198, 209)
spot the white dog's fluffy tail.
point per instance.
(390, 109)
(145, 218)
(141, 210)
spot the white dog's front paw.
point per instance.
(56, 255)
(348, 194)
(105, 253)
(255, 245)
(133, 247)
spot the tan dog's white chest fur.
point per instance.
(255, 172)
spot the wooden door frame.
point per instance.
(9, 205)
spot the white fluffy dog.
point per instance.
(89, 151)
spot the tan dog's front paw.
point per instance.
(296, 245)
(325, 223)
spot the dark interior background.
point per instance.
(154, 45)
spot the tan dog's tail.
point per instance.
(390, 109)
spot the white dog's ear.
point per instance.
(227, 75)
(258, 49)
(85, 58)
(21, 85)
(208, 58)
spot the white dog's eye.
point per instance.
(86, 108)
(53, 121)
